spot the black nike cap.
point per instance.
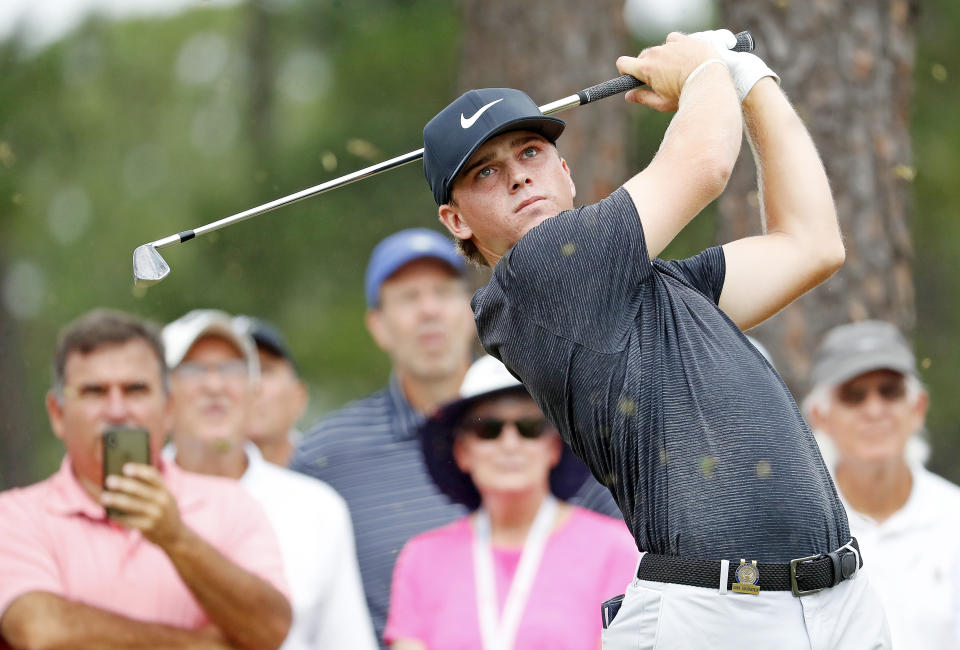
(456, 132)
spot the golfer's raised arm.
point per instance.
(701, 144)
(802, 245)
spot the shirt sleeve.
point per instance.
(343, 620)
(406, 618)
(578, 272)
(254, 544)
(26, 563)
(704, 272)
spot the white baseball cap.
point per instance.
(180, 335)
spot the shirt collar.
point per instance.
(67, 496)
(406, 421)
(917, 510)
(255, 462)
(177, 480)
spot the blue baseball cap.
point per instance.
(403, 247)
(456, 132)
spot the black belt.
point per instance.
(805, 575)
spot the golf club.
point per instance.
(149, 267)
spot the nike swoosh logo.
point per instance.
(467, 122)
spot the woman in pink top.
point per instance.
(524, 570)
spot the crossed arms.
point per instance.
(246, 611)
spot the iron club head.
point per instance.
(149, 267)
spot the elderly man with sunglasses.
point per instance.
(868, 406)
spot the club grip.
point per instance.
(744, 42)
(623, 83)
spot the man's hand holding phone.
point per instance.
(133, 490)
(142, 501)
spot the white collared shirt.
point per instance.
(913, 560)
(315, 536)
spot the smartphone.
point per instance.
(123, 445)
(609, 610)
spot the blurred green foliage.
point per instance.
(936, 225)
(126, 132)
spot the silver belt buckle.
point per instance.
(793, 576)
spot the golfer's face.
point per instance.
(499, 459)
(511, 184)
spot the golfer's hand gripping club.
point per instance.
(149, 267)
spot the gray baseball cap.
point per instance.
(848, 351)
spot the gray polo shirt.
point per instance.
(658, 391)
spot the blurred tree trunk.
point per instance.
(550, 49)
(16, 454)
(847, 68)
(260, 58)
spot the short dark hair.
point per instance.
(102, 327)
(467, 249)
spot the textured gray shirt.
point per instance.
(658, 391)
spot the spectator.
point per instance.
(282, 397)
(868, 408)
(502, 576)
(418, 313)
(213, 379)
(190, 561)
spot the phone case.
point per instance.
(121, 446)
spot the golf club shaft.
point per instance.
(610, 87)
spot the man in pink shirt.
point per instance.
(190, 561)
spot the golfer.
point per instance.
(641, 363)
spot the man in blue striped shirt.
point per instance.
(419, 315)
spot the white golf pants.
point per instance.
(657, 615)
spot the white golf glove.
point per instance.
(746, 69)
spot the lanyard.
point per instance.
(499, 633)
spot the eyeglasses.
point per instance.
(491, 428)
(890, 391)
(194, 370)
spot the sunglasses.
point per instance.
(195, 370)
(889, 391)
(491, 428)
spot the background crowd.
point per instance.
(297, 495)
(369, 539)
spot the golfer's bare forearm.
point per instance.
(45, 621)
(801, 244)
(707, 129)
(695, 159)
(795, 193)
(248, 610)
